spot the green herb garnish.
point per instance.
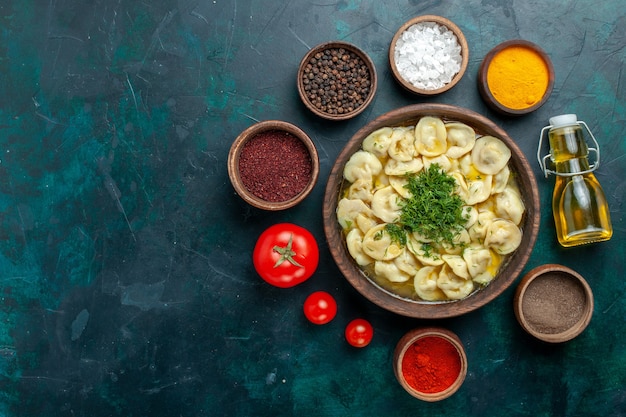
(433, 210)
(396, 233)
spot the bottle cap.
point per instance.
(563, 120)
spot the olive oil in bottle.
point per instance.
(581, 213)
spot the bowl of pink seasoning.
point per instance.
(273, 165)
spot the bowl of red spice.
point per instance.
(428, 55)
(516, 77)
(430, 363)
(336, 80)
(273, 165)
(553, 303)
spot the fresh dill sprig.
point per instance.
(397, 233)
(433, 210)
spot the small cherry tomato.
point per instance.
(320, 307)
(359, 333)
(285, 255)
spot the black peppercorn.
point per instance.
(338, 81)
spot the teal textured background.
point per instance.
(127, 287)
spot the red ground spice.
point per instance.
(275, 166)
(431, 364)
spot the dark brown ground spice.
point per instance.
(275, 166)
(336, 81)
(553, 303)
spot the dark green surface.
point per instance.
(127, 287)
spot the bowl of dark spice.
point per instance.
(336, 80)
(273, 165)
(516, 77)
(428, 55)
(430, 363)
(553, 303)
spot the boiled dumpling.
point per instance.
(390, 271)
(457, 264)
(362, 165)
(425, 283)
(471, 215)
(377, 243)
(399, 185)
(430, 137)
(361, 189)
(442, 160)
(364, 223)
(478, 230)
(490, 155)
(461, 139)
(478, 190)
(354, 242)
(501, 179)
(420, 238)
(378, 142)
(430, 257)
(402, 146)
(473, 191)
(503, 236)
(395, 167)
(407, 263)
(459, 241)
(509, 205)
(479, 264)
(386, 204)
(349, 209)
(453, 286)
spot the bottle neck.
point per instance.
(569, 150)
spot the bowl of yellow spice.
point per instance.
(516, 77)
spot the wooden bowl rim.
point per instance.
(464, 54)
(431, 310)
(352, 48)
(541, 271)
(233, 164)
(411, 337)
(483, 86)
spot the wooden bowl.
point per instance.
(408, 116)
(335, 83)
(236, 177)
(462, 43)
(408, 340)
(553, 303)
(490, 97)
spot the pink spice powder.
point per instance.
(275, 166)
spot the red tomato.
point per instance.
(285, 255)
(320, 307)
(359, 333)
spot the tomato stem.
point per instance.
(286, 253)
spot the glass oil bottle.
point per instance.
(581, 213)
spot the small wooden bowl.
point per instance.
(485, 90)
(440, 21)
(553, 303)
(303, 82)
(508, 273)
(408, 340)
(251, 132)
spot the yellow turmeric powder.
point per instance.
(518, 77)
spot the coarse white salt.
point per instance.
(428, 55)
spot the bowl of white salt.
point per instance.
(428, 55)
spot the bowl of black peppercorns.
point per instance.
(336, 80)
